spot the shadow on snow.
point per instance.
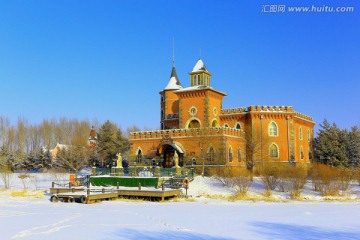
(295, 232)
(165, 234)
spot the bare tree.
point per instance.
(255, 143)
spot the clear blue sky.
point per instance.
(110, 59)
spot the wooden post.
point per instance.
(139, 186)
(162, 198)
(72, 189)
(52, 184)
(117, 185)
(88, 191)
(103, 190)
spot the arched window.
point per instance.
(301, 153)
(214, 123)
(300, 133)
(211, 154)
(230, 154)
(226, 125)
(274, 151)
(139, 156)
(198, 79)
(194, 124)
(308, 135)
(238, 126)
(239, 155)
(273, 129)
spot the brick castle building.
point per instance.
(195, 126)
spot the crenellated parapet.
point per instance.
(303, 116)
(279, 109)
(233, 110)
(191, 132)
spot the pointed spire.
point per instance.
(173, 53)
(200, 67)
(174, 83)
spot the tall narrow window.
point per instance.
(300, 133)
(273, 129)
(274, 151)
(239, 155)
(139, 156)
(211, 154)
(198, 79)
(230, 155)
(301, 153)
(308, 135)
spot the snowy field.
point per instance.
(212, 217)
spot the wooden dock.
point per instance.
(91, 195)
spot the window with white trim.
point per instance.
(139, 156)
(273, 129)
(230, 154)
(239, 155)
(274, 151)
(211, 154)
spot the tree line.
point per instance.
(28, 146)
(337, 147)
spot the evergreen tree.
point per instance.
(47, 159)
(29, 161)
(11, 162)
(111, 141)
(353, 146)
(330, 145)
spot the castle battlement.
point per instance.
(288, 109)
(303, 116)
(192, 132)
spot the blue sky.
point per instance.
(110, 59)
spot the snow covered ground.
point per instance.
(198, 217)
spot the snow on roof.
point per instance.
(199, 67)
(173, 84)
(198, 87)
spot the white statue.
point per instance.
(176, 159)
(119, 160)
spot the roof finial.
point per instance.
(173, 52)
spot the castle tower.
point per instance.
(200, 75)
(169, 103)
(199, 104)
